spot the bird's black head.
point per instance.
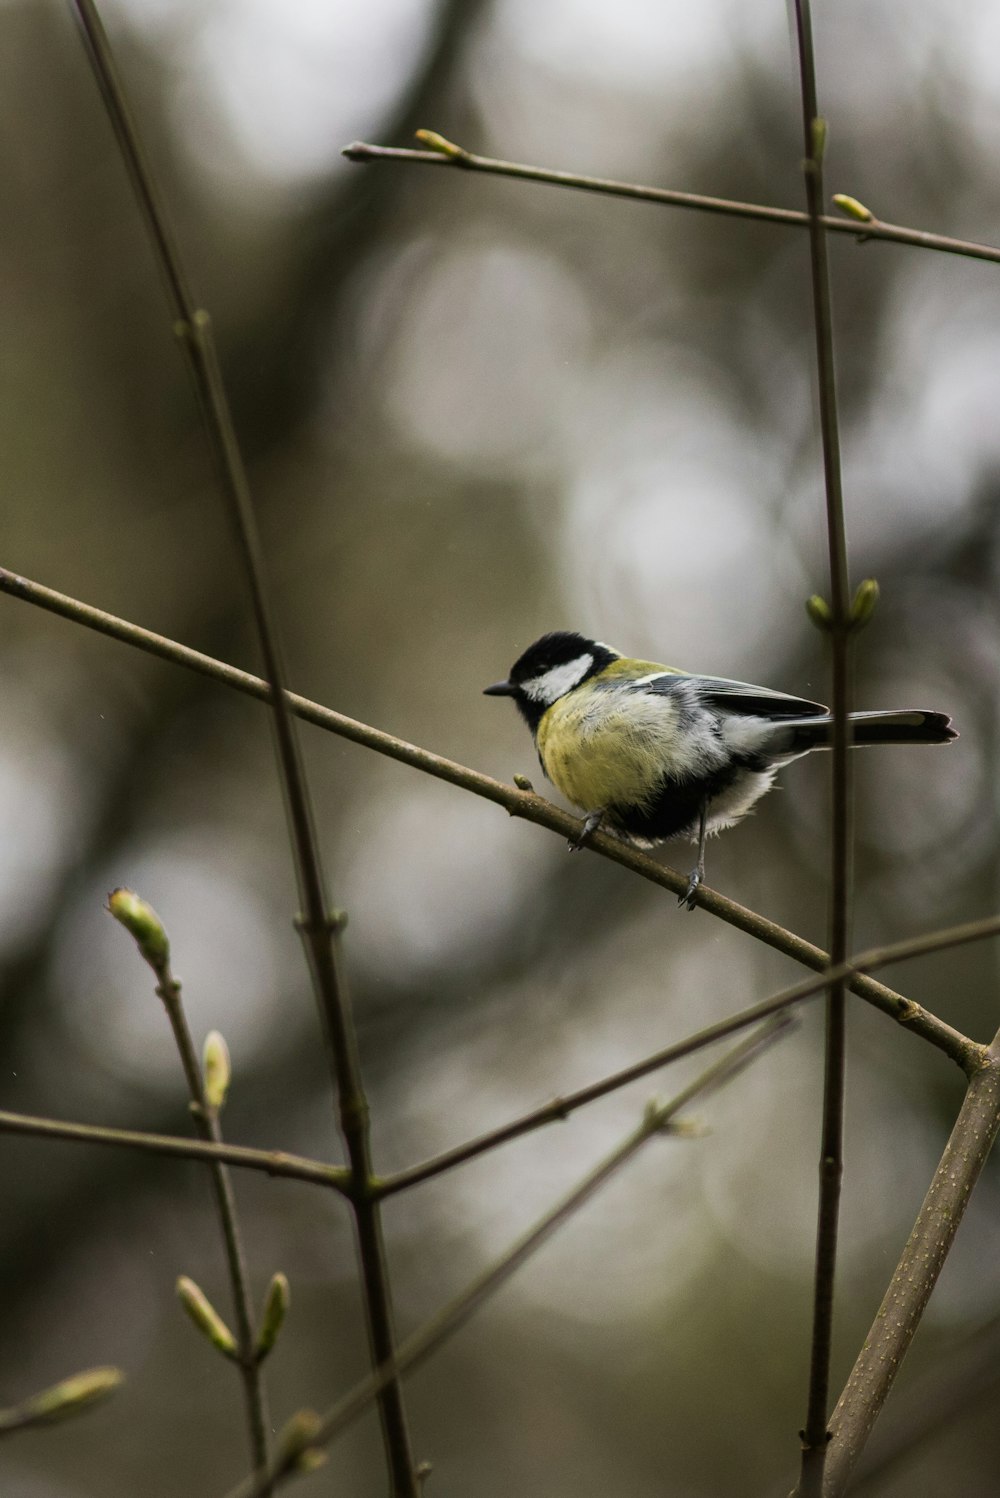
(550, 668)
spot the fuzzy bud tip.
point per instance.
(435, 142)
(865, 603)
(216, 1069)
(68, 1397)
(276, 1303)
(205, 1317)
(853, 208)
(143, 924)
(819, 612)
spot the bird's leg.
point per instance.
(697, 876)
(591, 822)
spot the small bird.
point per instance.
(653, 752)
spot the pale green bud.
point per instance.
(819, 612)
(142, 923)
(276, 1303)
(68, 1397)
(865, 603)
(853, 208)
(435, 142)
(215, 1069)
(205, 1317)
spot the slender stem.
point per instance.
(518, 803)
(876, 228)
(319, 931)
(814, 1435)
(206, 1122)
(270, 1162)
(915, 1275)
(560, 1108)
(657, 1120)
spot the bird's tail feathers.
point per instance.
(902, 726)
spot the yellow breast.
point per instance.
(600, 753)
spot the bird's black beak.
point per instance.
(500, 689)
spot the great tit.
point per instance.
(654, 752)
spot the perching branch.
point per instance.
(320, 931)
(518, 803)
(867, 228)
(658, 1119)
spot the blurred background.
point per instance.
(474, 410)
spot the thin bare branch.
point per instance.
(416, 1348)
(270, 1162)
(320, 932)
(915, 1275)
(518, 803)
(560, 1108)
(831, 1159)
(280, 1163)
(874, 228)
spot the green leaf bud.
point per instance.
(853, 208)
(435, 142)
(68, 1397)
(819, 612)
(865, 603)
(216, 1069)
(142, 923)
(205, 1317)
(276, 1303)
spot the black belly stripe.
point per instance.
(677, 806)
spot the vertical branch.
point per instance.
(320, 929)
(814, 1435)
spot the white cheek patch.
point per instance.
(552, 685)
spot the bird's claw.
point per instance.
(695, 881)
(591, 822)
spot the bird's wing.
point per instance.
(736, 696)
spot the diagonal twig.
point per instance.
(270, 1162)
(916, 1274)
(518, 803)
(561, 1107)
(281, 1164)
(872, 228)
